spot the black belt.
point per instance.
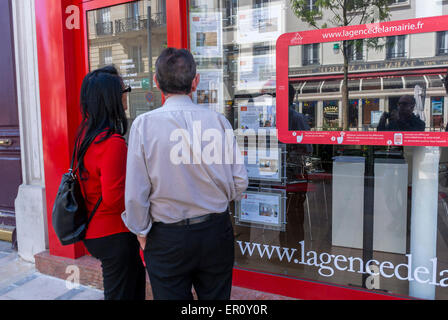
(195, 220)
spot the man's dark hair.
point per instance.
(408, 99)
(175, 71)
(292, 93)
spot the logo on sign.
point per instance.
(297, 39)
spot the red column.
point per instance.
(177, 23)
(59, 90)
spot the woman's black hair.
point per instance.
(101, 108)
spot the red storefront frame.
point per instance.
(63, 62)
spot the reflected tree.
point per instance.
(345, 13)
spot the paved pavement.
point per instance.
(19, 280)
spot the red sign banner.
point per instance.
(389, 137)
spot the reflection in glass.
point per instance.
(118, 35)
(322, 188)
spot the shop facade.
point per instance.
(304, 228)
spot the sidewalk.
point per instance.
(19, 280)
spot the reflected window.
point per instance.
(310, 5)
(355, 50)
(442, 43)
(331, 114)
(396, 47)
(310, 54)
(105, 56)
(230, 7)
(127, 49)
(104, 26)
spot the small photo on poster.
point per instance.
(206, 39)
(210, 91)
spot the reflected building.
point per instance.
(119, 35)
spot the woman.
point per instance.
(101, 155)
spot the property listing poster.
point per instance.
(261, 208)
(256, 72)
(258, 113)
(206, 34)
(260, 24)
(263, 164)
(210, 91)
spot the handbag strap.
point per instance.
(93, 211)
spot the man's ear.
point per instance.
(195, 83)
(157, 83)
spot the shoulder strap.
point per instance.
(93, 211)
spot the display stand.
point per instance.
(425, 185)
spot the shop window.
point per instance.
(437, 109)
(331, 115)
(442, 43)
(304, 214)
(310, 54)
(396, 47)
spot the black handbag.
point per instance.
(70, 218)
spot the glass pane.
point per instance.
(119, 36)
(318, 220)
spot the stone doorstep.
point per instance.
(91, 276)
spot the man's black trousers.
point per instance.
(199, 255)
(124, 275)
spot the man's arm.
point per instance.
(138, 187)
(239, 172)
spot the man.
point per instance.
(177, 203)
(403, 119)
(297, 177)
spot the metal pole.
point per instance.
(151, 86)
